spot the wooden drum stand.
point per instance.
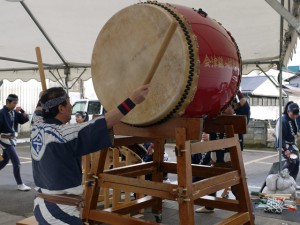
(186, 193)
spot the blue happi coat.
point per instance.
(56, 151)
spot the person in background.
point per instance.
(218, 158)
(81, 117)
(289, 146)
(148, 157)
(10, 117)
(201, 158)
(56, 157)
(241, 107)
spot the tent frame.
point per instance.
(66, 66)
(278, 7)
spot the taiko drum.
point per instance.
(197, 76)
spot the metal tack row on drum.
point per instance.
(197, 76)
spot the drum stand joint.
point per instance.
(182, 195)
(91, 179)
(179, 150)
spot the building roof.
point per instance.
(260, 86)
(293, 77)
(290, 89)
(249, 84)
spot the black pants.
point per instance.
(292, 165)
(10, 153)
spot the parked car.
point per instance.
(92, 107)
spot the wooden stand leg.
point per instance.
(86, 167)
(159, 149)
(241, 188)
(92, 188)
(184, 171)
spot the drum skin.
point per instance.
(198, 75)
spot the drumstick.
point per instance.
(162, 49)
(41, 68)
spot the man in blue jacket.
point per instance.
(10, 117)
(56, 150)
(289, 146)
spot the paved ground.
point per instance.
(16, 205)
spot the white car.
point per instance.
(92, 107)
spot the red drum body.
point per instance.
(198, 75)
(220, 63)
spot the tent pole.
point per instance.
(290, 18)
(280, 107)
(267, 75)
(77, 80)
(280, 117)
(60, 82)
(279, 67)
(23, 61)
(44, 33)
(67, 73)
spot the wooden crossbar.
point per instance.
(207, 146)
(220, 203)
(218, 124)
(236, 219)
(114, 218)
(132, 206)
(133, 170)
(165, 130)
(214, 184)
(157, 189)
(216, 179)
(198, 170)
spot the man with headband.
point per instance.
(10, 117)
(56, 150)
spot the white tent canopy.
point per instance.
(73, 25)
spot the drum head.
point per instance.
(124, 53)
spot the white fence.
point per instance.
(28, 93)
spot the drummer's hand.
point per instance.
(140, 94)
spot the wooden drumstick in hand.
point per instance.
(161, 52)
(41, 68)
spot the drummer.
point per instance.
(56, 150)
